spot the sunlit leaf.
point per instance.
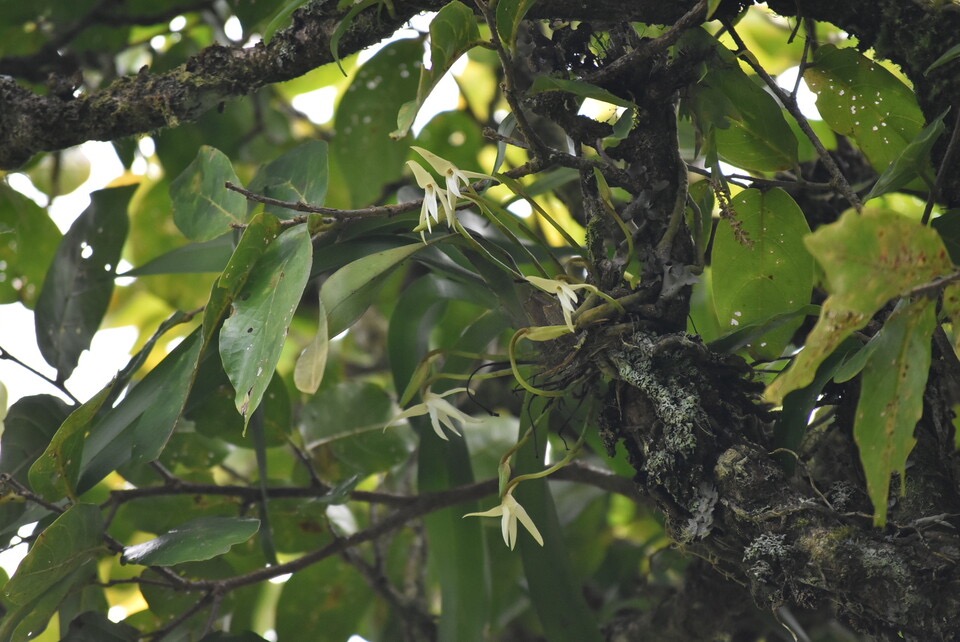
(861, 99)
(253, 335)
(198, 539)
(206, 256)
(203, 207)
(867, 259)
(79, 284)
(760, 266)
(891, 398)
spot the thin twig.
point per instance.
(790, 103)
(5, 354)
(300, 206)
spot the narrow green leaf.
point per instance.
(712, 6)
(859, 98)
(453, 32)
(555, 591)
(299, 175)
(203, 208)
(281, 17)
(949, 55)
(761, 268)
(867, 261)
(891, 398)
(351, 289)
(74, 538)
(578, 88)
(510, 13)
(79, 284)
(308, 373)
(23, 224)
(29, 619)
(198, 539)
(252, 337)
(913, 162)
(195, 258)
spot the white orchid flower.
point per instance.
(565, 293)
(454, 178)
(431, 193)
(510, 511)
(441, 412)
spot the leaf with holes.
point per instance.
(252, 336)
(859, 98)
(761, 268)
(867, 260)
(79, 283)
(891, 398)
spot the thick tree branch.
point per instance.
(145, 102)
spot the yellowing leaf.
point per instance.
(891, 398)
(308, 372)
(867, 261)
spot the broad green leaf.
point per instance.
(761, 268)
(308, 373)
(54, 474)
(912, 163)
(300, 175)
(555, 591)
(206, 256)
(74, 538)
(867, 259)
(747, 123)
(891, 398)
(859, 98)
(24, 225)
(349, 419)
(29, 619)
(351, 289)
(751, 334)
(324, 603)
(252, 337)
(193, 541)
(137, 429)
(510, 14)
(29, 425)
(578, 88)
(368, 113)
(453, 32)
(203, 208)
(79, 283)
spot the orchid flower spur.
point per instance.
(431, 192)
(441, 412)
(454, 177)
(565, 293)
(509, 511)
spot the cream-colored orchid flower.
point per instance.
(454, 177)
(565, 293)
(441, 412)
(509, 511)
(431, 193)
